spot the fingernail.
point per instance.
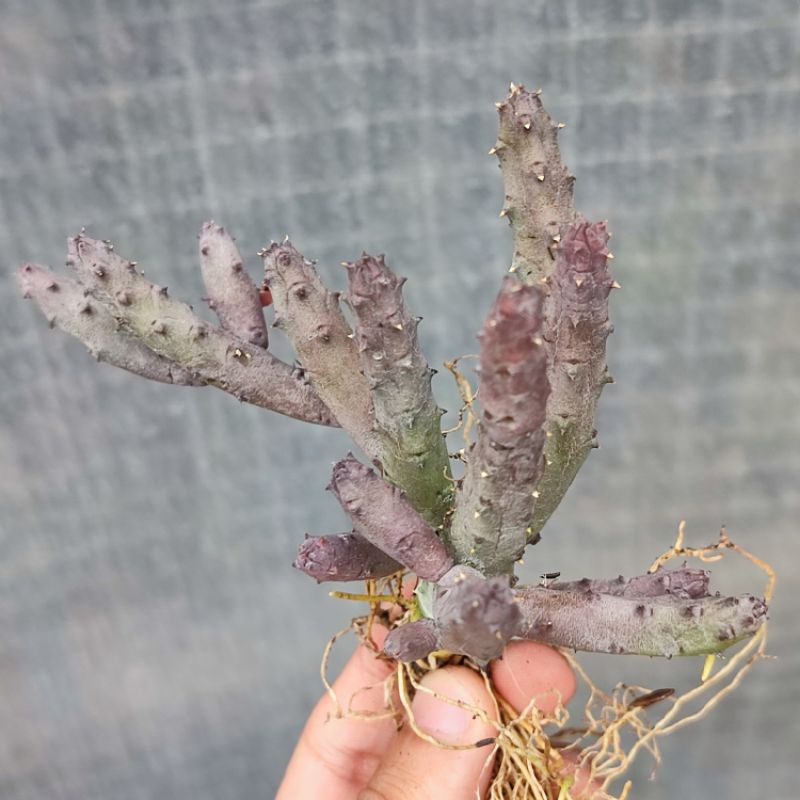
(440, 719)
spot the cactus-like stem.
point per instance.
(310, 316)
(68, 306)
(383, 515)
(652, 626)
(538, 187)
(232, 295)
(343, 557)
(576, 331)
(490, 524)
(684, 583)
(171, 329)
(412, 641)
(413, 450)
(474, 615)
(665, 613)
(539, 206)
(542, 369)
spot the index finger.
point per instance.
(336, 757)
(531, 671)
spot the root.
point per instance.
(535, 756)
(467, 416)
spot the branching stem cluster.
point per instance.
(529, 426)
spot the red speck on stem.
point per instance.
(265, 295)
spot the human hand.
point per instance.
(345, 759)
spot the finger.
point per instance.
(414, 769)
(584, 787)
(335, 757)
(533, 671)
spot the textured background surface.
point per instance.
(154, 641)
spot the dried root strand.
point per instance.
(538, 756)
(617, 726)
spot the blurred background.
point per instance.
(154, 640)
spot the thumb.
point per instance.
(414, 769)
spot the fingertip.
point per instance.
(416, 767)
(533, 671)
(377, 634)
(584, 786)
(409, 586)
(450, 722)
(337, 753)
(366, 664)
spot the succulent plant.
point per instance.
(542, 369)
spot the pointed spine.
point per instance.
(413, 451)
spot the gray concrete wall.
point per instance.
(154, 641)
